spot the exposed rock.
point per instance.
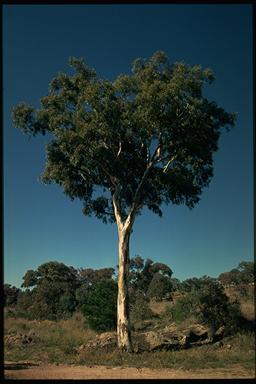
(198, 334)
(219, 344)
(170, 328)
(218, 335)
(163, 340)
(171, 337)
(103, 340)
(21, 339)
(107, 338)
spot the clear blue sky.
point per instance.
(40, 223)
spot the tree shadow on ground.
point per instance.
(246, 324)
(19, 365)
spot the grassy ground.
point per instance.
(196, 358)
(58, 342)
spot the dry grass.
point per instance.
(248, 310)
(58, 340)
(58, 343)
(245, 296)
(159, 307)
(208, 356)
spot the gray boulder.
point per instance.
(173, 337)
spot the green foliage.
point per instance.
(247, 271)
(67, 305)
(243, 274)
(140, 309)
(176, 284)
(142, 273)
(101, 305)
(53, 292)
(160, 287)
(87, 277)
(216, 310)
(30, 279)
(51, 272)
(210, 305)
(196, 283)
(10, 295)
(152, 126)
(80, 295)
(57, 290)
(25, 300)
(184, 308)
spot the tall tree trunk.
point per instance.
(123, 321)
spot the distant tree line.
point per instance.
(55, 291)
(243, 274)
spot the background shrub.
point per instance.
(210, 305)
(216, 309)
(140, 310)
(184, 308)
(160, 287)
(101, 306)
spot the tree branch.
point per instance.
(157, 153)
(148, 155)
(120, 148)
(81, 174)
(165, 169)
(111, 178)
(135, 207)
(117, 208)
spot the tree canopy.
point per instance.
(243, 274)
(146, 138)
(147, 273)
(53, 289)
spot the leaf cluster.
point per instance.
(100, 306)
(152, 279)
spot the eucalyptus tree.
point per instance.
(53, 286)
(142, 140)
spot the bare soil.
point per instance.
(51, 371)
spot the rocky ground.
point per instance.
(169, 338)
(153, 337)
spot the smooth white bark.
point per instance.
(123, 320)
